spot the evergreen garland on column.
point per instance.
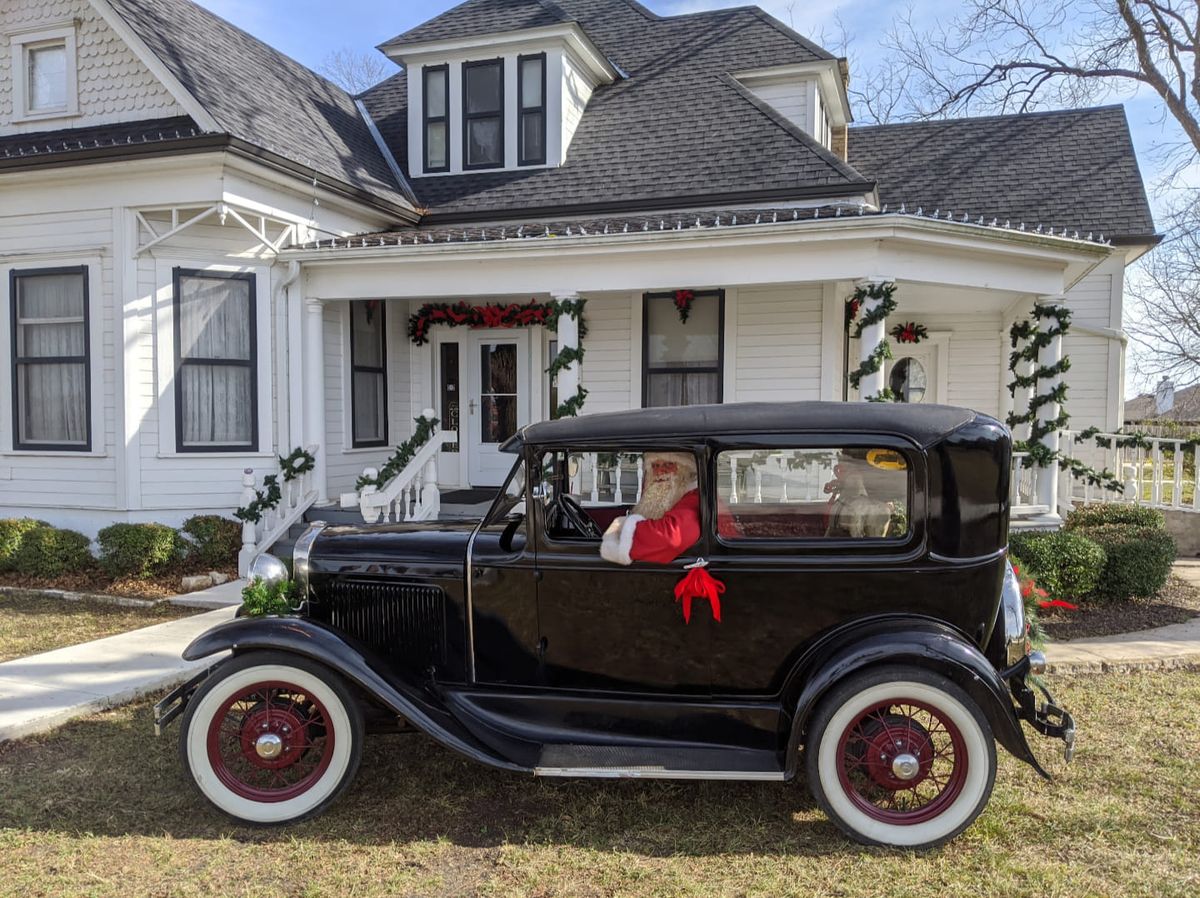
(886, 303)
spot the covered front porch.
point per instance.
(766, 320)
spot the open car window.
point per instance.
(605, 485)
(802, 494)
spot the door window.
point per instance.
(812, 494)
(908, 380)
(498, 391)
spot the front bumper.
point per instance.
(1047, 717)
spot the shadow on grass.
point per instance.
(109, 776)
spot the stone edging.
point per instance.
(20, 592)
(1187, 661)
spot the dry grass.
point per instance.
(101, 808)
(30, 626)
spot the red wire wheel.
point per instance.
(902, 762)
(270, 742)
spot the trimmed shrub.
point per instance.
(139, 550)
(12, 532)
(260, 598)
(49, 552)
(1139, 560)
(1100, 514)
(218, 540)
(1067, 565)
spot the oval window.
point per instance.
(908, 380)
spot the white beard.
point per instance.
(660, 496)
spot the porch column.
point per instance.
(872, 384)
(314, 389)
(568, 338)
(1049, 356)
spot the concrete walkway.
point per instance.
(1164, 648)
(41, 692)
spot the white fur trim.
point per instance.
(618, 539)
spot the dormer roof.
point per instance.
(479, 17)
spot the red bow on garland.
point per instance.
(698, 583)
(683, 304)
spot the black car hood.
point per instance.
(391, 548)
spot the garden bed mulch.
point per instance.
(1175, 603)
(95, 581)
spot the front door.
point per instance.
(497, 402)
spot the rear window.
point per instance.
(815, 494)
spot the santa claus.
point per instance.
(666, 520)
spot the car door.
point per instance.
(606, 626)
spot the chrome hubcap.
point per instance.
(905, 766)
(268, 746)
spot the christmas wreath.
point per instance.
(909, 332)
(683, 304)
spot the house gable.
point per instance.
(108, 82)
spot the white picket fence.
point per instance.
(297, 497)
(1161, 476)
(413, 494)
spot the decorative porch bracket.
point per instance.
(224, 211)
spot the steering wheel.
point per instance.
(578, 518)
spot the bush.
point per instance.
(218, 540)
(1067, 565)
(1100, 514)
(46, 551)
(139, 550)
(1139, 560)
(12, 532)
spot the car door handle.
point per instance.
(537, 576)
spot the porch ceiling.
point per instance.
(955, 255)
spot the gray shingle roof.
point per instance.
(1074, 168)
(676, 130)
(476, 17)
(257, 94)
(1186, 408)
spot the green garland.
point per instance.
(1028, 340)
(885, 294)
(1137, 440)
(402, 456)
(571, 406)
(298, 463)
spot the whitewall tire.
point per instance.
(900, 756)
(272, 737)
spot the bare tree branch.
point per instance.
(353, 70)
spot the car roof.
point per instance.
(923, 424)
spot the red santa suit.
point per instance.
(658, 538)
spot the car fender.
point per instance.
(353, 661)
(921, 643)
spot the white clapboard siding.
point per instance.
(778, 335)
(114, 85)
(66, 480)
(1089, 398)
(609, 359)
(978, 360)
(787, 97)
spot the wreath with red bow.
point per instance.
(909, 332)
(683, 304)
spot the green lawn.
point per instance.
(102, 808)
(30, 626)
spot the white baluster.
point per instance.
(594, 461)
(733, 479)
(617, 497)
(1156, 473)
(1177, 467)
(431, 497)
(249, 530)
(641, 476)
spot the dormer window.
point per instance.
(483, 114)
(437, 118)
(43, 67)
(531, 116)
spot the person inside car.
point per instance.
(666, 520)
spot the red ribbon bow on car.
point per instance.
(698, 583)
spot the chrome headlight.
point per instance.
(269, 569)
(1012, 607)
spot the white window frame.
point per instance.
(21, 45)
(99, 370)
(164, 343)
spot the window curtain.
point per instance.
(52, 396)
(216, 362)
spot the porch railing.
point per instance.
(1023, 488)
(1161, 474)
(413, 494)
(297, 497)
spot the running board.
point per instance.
(641, 762)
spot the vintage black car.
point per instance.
(871, 633)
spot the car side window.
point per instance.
(834, 493)
(605, 485)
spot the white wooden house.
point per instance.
(211, 255)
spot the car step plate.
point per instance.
(654, 762)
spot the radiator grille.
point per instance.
(405, 622)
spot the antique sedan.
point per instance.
(850, 614)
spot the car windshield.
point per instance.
(511, 500)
